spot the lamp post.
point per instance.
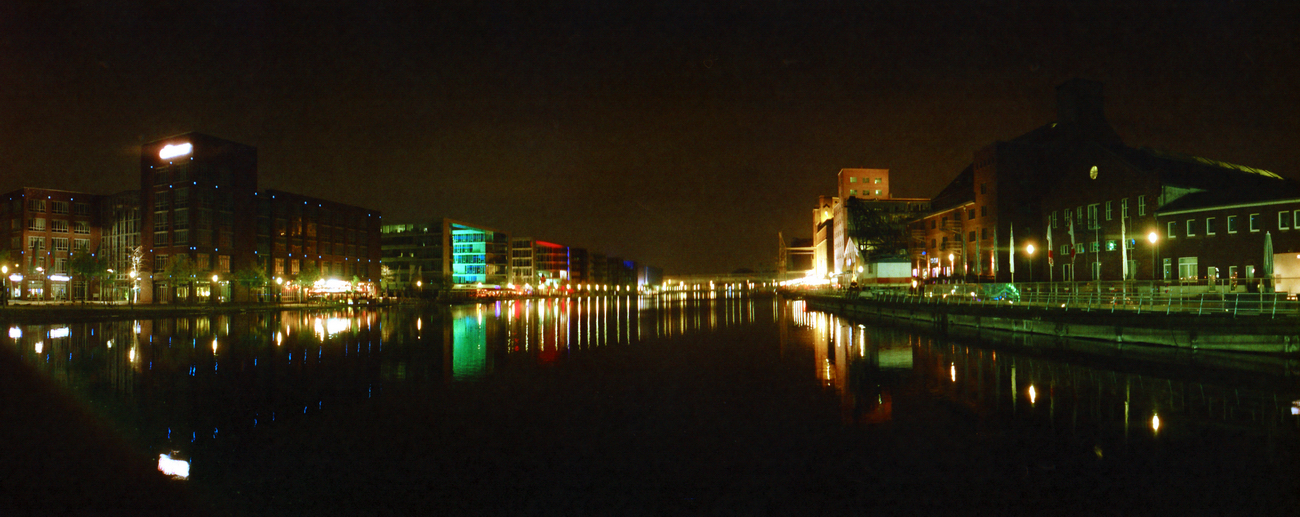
(1152, 237)
(1029, 249)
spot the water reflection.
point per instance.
(1090, 396)
(182, 386)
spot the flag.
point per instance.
(1050, 251)
(1123, 247)
(993, 263)
(1011, 253)
(1073, 249)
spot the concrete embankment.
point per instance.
(1254, 334)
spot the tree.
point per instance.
(873, 230)
(89, 267)
(180, 271)
(309, 274)
(251, 277)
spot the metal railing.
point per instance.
(1116, 297)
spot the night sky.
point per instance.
(682, 134)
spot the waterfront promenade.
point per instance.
(1236, 322)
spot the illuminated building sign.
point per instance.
(172, 151)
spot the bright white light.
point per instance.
(1033, 395)
(214, 345)
(16, 277)
(335, 325)
(60, 332)
(179, 469)
(1155, 423)
(110, 343)
(40, 345)
(952, 371)
(60, 278)
(174, 150)
(15, 333)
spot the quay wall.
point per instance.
(1251, 334)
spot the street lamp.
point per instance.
(1029, 249)
(1153, 238)
(952, 264)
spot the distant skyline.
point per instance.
(680, 134)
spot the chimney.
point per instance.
(1079, 108)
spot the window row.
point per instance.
(37, 224)
(1094, 212)
(56, 244)
(1286, 220)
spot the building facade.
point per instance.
(444, 254)
(45, 228)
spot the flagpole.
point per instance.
(1011, 253)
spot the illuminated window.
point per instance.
(878, 192)
(853, 179)
(853, 192)
(60, 244)
(875, 180)
(1187, 268)
(36, 224)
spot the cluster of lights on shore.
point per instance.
(813, 278)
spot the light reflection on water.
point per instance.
(1115, 402)
(181, 385)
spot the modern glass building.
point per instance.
(443, 254)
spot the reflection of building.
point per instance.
(469, 341)
(45, 227)
(443, 253)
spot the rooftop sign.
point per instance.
(172, 151)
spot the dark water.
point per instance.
(647, 406)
